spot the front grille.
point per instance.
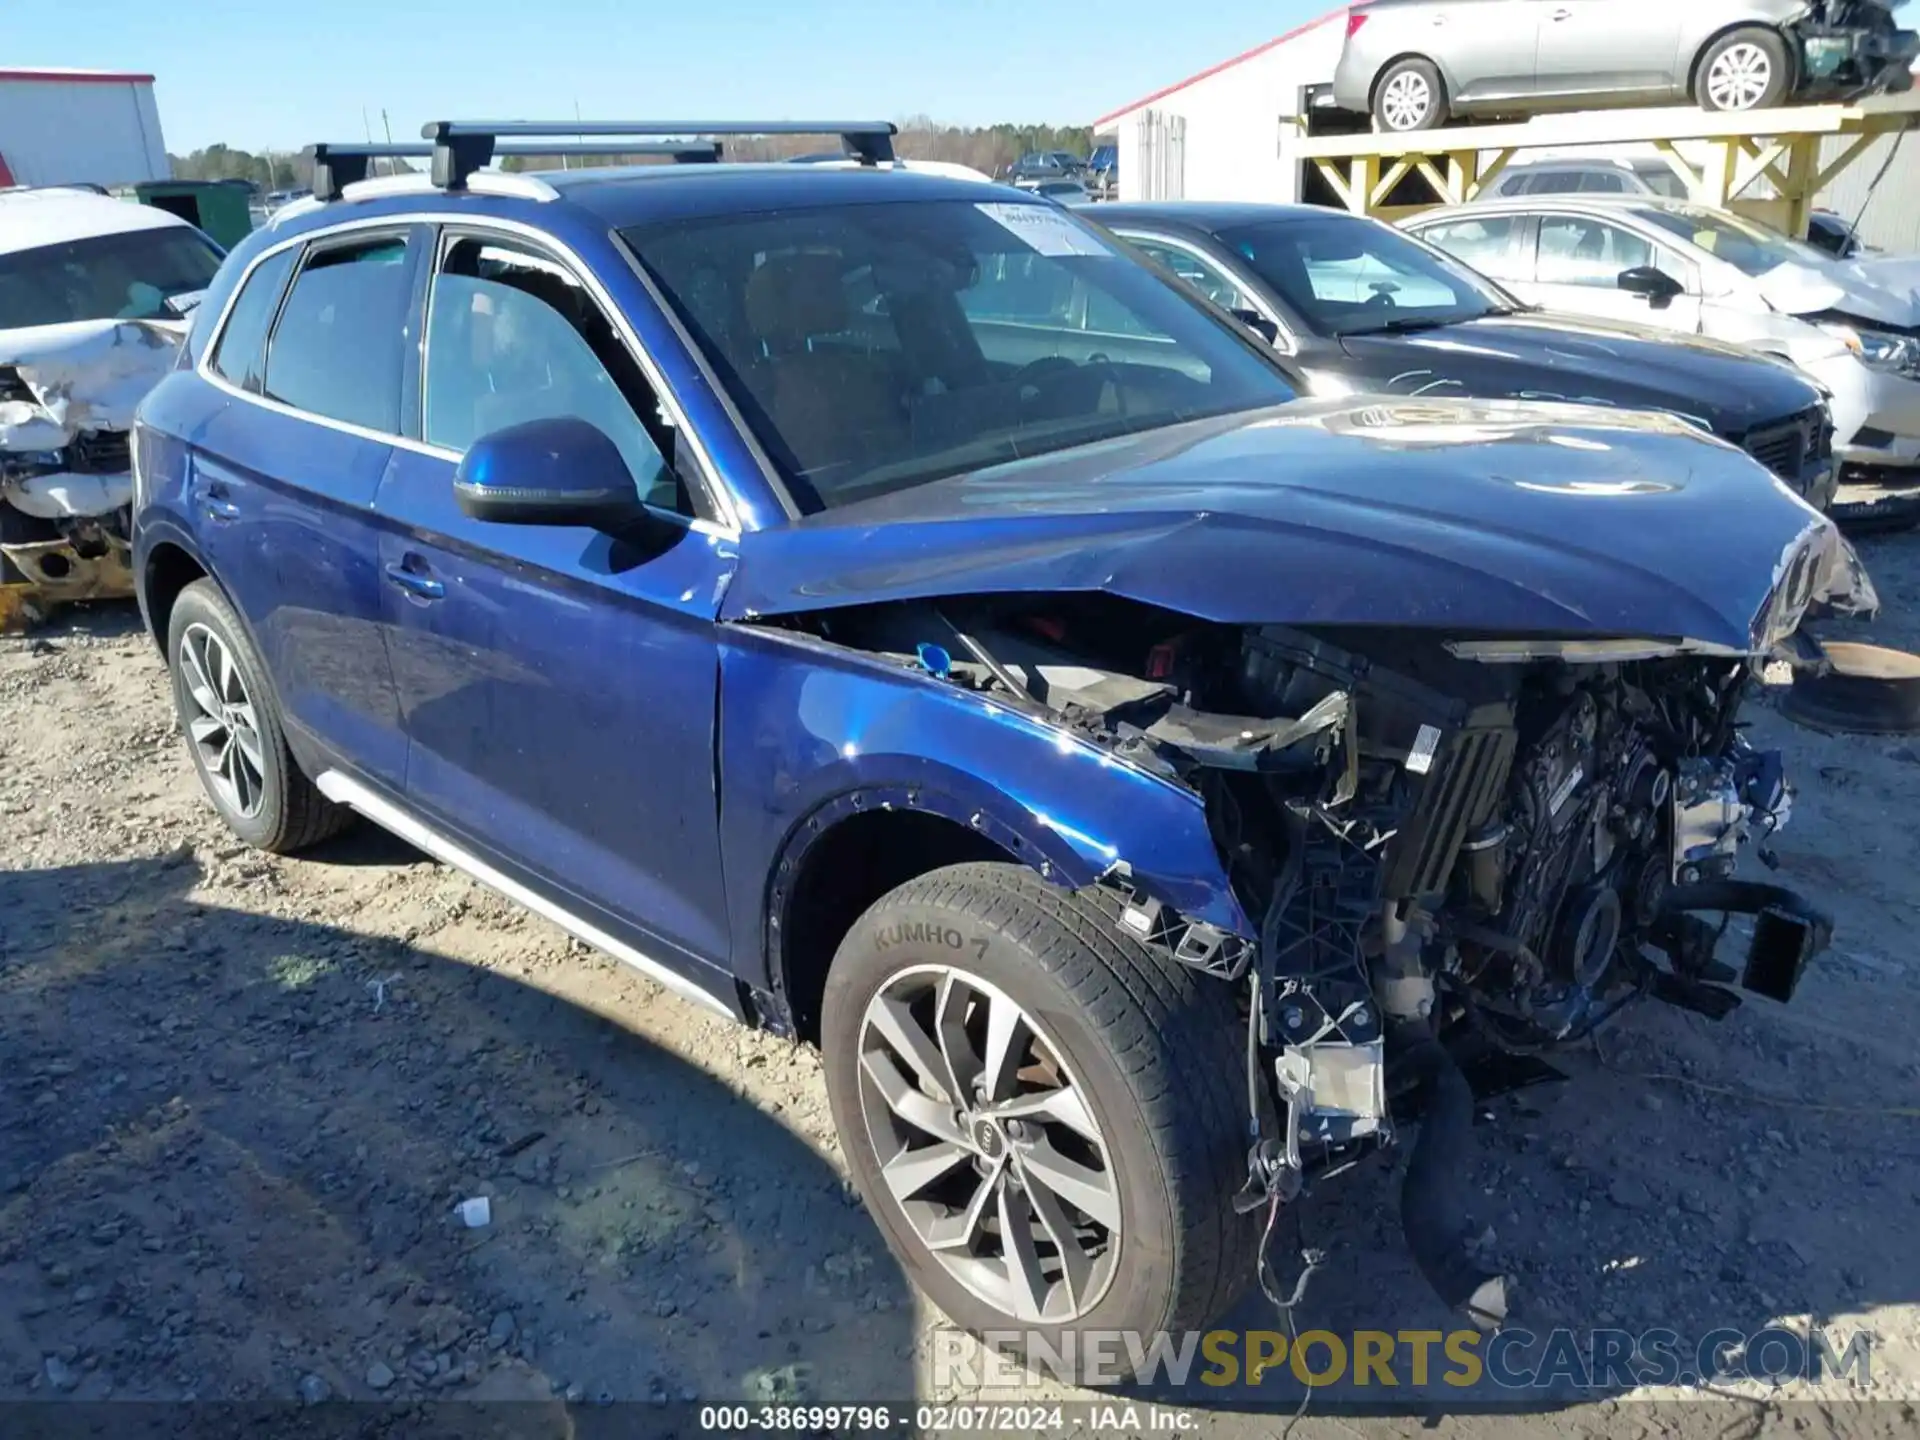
(100, 452)
(1793, 449)
(1460, 794)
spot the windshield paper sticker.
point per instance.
(1044, 228)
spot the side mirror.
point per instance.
(1652, 285)
(1259, 324)
(561, 471)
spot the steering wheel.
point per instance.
(1037, 377)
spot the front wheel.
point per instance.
(1410, 96)
(1745, 69)
(1046, 1119)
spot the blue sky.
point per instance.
(256, 73)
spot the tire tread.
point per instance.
(306, 817)
(1171, 1031)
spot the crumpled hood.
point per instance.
(88, 375)
(1884, 290)
(1474, 518)
(1591, 362)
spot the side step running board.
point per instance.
(344, 790)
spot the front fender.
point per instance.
(810, 732)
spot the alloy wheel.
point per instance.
(1406, 100)
(224, 730)
(1739, 76)
(988, 1145)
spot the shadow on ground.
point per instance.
(231, 1147)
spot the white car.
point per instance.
(93, 298)
(1853, 325)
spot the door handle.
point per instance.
(1563, 14)
(416, 582)
(214, 502)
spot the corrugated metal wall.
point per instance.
(1891, 219)
(71, 131)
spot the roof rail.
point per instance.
(461, 147)
(336, 166)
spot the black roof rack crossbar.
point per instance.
(461, 147)
(336, 166)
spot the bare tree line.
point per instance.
(991, 148)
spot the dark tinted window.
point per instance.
(130, 276)
(337, 349)
(1603, 182)
(874, 347)
(243, 342)
(514, 337)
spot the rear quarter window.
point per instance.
(240, 352)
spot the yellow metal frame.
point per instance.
(1459, 162)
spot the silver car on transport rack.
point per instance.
(1853, 325)
(1413, 64)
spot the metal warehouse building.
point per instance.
(1223, 135)
(66, 127)
(1216, 135)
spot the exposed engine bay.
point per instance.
(67, 397)
(1453, 848)
(1850, 48)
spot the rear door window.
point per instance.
(338, 348)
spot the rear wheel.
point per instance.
(231, 720)
(1745, 69)
(1046, 1119)
(1410, 96)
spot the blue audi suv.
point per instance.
(885, 609)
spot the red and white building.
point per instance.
(1216, 135)
(70, 127)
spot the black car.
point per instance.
(1363, 307)
(1039, 165)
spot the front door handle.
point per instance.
(215, 504)
(416, 582)
(1563, 14)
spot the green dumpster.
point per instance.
(219, 207)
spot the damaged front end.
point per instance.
(1459, 851)
(67, 397)
(1853, 48)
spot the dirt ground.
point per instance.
(240, 1098)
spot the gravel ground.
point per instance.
(240, 1098)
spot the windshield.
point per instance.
(129, 276)
(1750, 248)
(874, 347)
(1346, 276)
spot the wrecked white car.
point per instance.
(1852, 325)
(93, 295)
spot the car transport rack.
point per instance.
(1739, 148)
